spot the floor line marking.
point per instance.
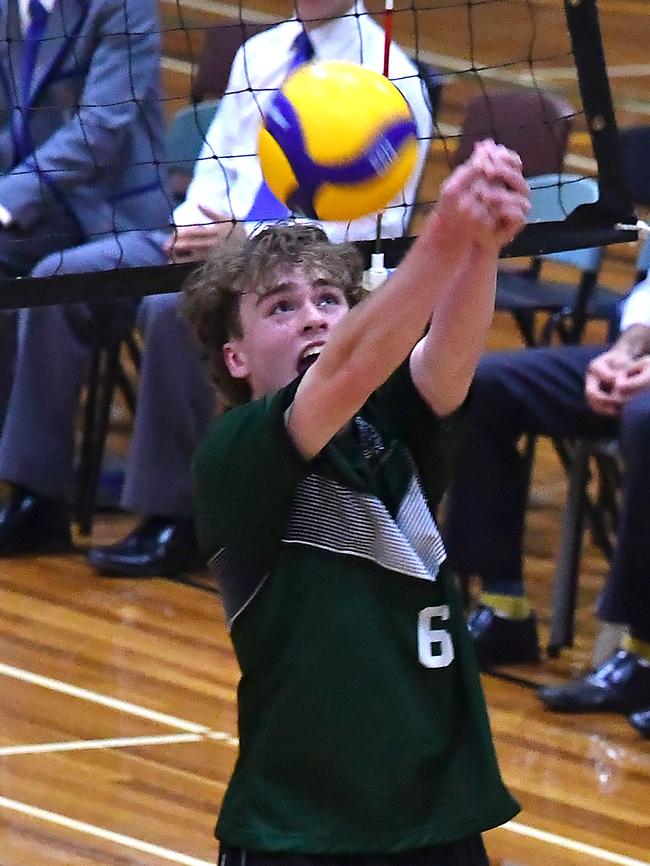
(571, 844)
(101, 833)
(104, 700)
(114, 743)
(186, 860)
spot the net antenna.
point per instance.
(389, 6)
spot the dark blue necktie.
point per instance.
(38, 16)
(302, 51)
(266, 206)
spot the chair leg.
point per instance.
(104, 374)
(565, 582)
(87, 441)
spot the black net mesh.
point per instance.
(106, 153)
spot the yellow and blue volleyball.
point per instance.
(338, 141)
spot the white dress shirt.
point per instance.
(23, 8)
(228, 175)
(636, 307)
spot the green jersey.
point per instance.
(362, 722)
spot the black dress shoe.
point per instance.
(641, 721)
(33, 524)
(158, 546)
(621, 684)
(499, 641)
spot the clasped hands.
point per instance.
(484, 201)
(613, 378)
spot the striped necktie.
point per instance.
(266, 206)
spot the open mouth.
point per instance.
(308, 357)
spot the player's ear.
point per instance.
(235, 360)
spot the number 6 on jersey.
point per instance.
(435, 648)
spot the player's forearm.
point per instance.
(443, 363)
(370, 343)
(380, 333)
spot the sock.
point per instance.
(640, 648)
(515, 607)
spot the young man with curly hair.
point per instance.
(363, 733)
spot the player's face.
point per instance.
(284, 330)
(321, 10)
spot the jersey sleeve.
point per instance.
(432, 441)
(245, 474)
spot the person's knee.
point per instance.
(49, 266)
(160, 311)
(635, 423)
(492, 385)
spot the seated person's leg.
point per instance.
(622, 682)
(8, 320)
(37, 445)
(19, 252)
(526, 391)
(36, 448)
(176, 403)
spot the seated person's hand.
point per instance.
(193, 243)
(636, 378)
(605, 375)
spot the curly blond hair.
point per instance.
(212, 294)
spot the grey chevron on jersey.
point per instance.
(332, 517)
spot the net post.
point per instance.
(586, 41)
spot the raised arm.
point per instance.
(444, 361)
(481, 205)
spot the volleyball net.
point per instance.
(532, 76)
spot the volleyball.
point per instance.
(338, 141)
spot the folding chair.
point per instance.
(534, 123)
(106, 375)
(183, 142)
(565, 306)
(220, 45)
(604, 456)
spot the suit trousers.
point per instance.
(55, 345)
(541, 391)
(20, 250)
(176, 403)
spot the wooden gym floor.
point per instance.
(117, 718)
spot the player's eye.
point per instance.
(328, 298)
(281, 306)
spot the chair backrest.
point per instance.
(186, 134)
(534, 123)
(635, 143)
(553, 197)
(183, 142)
(220, 45)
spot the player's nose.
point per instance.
(314, 317)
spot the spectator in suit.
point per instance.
(586, 391)
(81, 146)
(176, 400)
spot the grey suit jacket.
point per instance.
(88, 135)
